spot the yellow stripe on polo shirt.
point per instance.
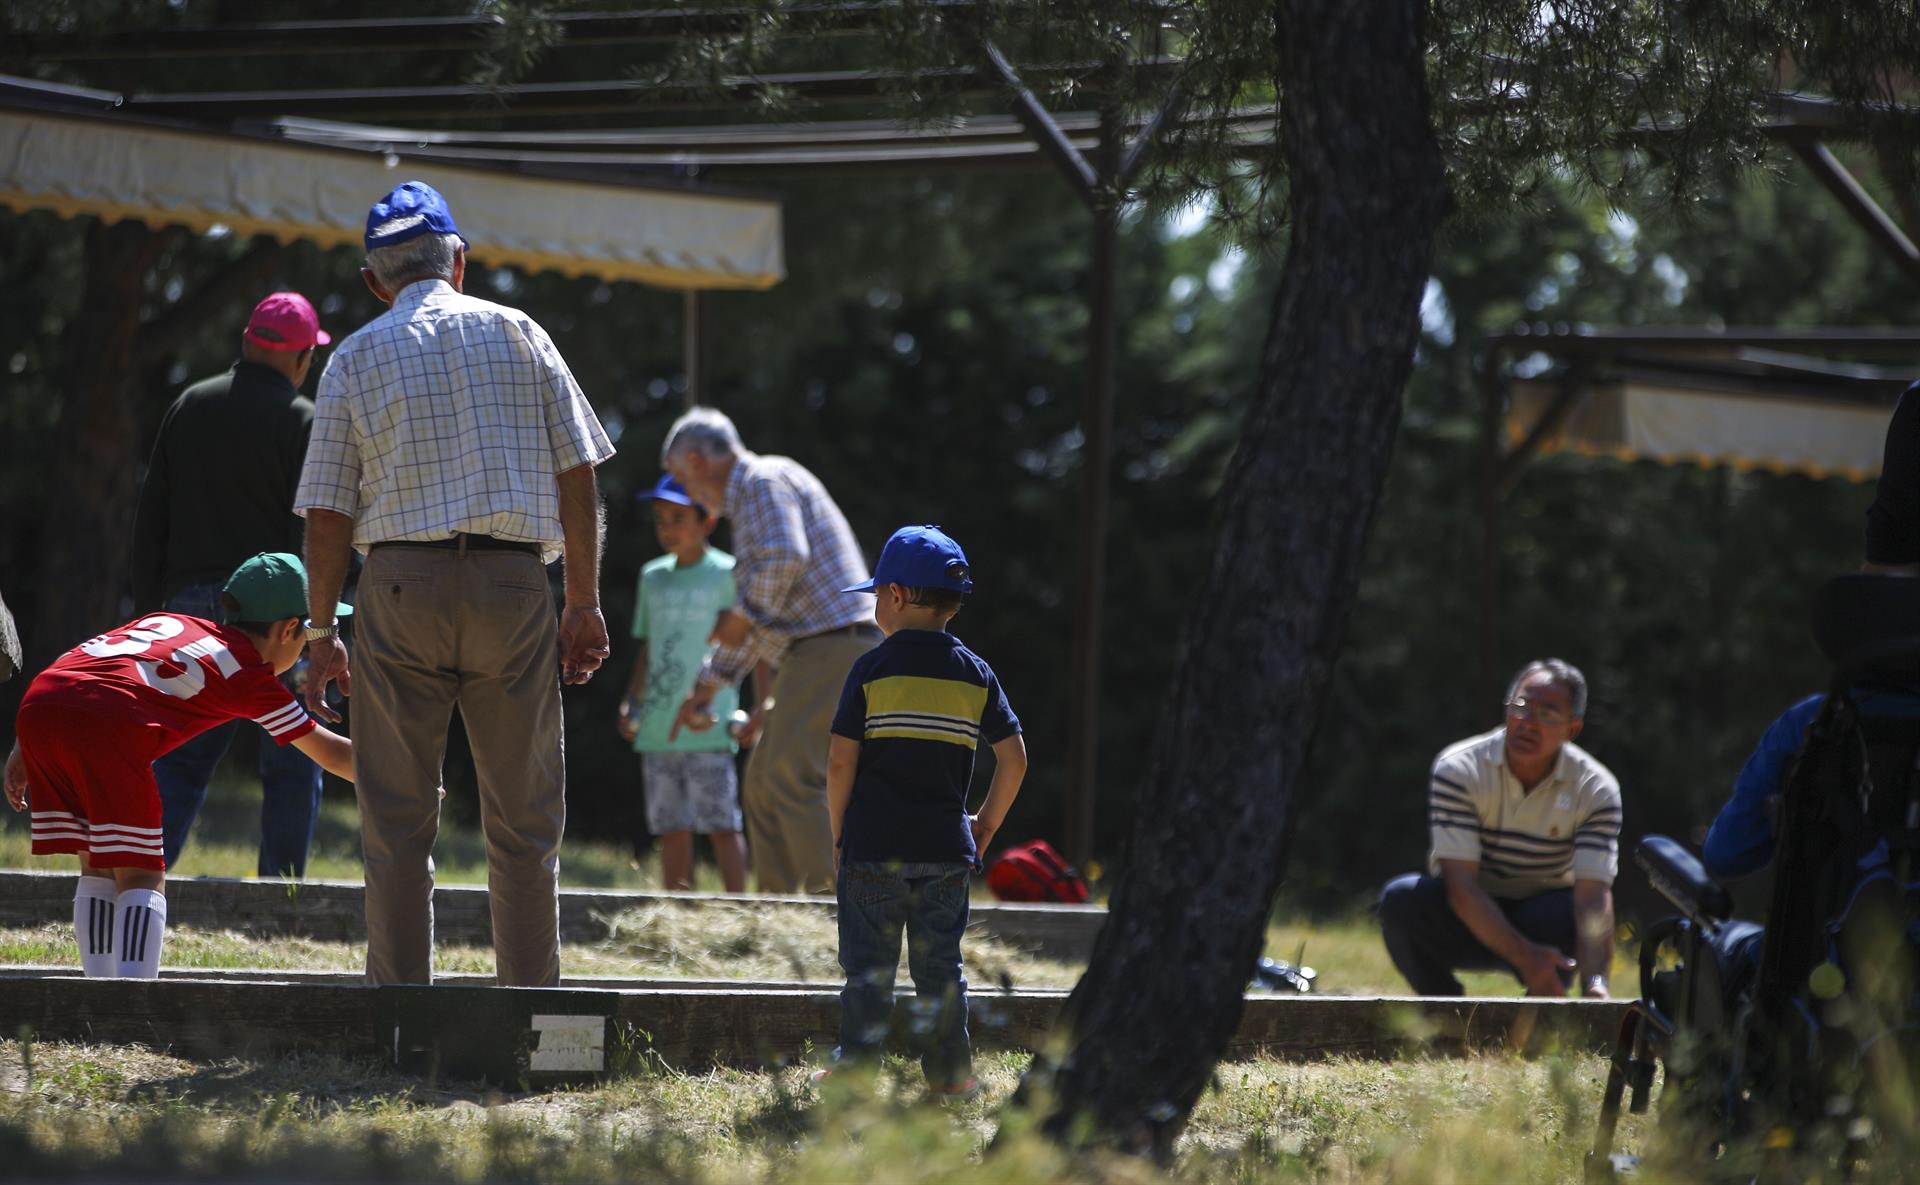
(896, 699)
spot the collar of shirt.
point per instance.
(736, 481)
(940, 638)
(410, 298)
(1556, 775)
(259, 374)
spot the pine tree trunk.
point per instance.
(81, 578)
(1163, 993)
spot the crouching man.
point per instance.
(1525, 830)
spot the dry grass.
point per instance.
(714, 942)
(83, 1112)
(94, 1111)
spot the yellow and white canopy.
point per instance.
(1687, 425)
(120, 169)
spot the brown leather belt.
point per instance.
(465, 543)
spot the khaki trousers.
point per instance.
(438, 628)
(784, 796)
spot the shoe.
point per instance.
(957, 1090)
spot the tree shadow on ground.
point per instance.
(313, 1078)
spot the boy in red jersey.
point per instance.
(92, 723)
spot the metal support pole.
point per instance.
(1853, 197)
(1096, 456)
(693, 343)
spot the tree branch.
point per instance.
(1143, 144)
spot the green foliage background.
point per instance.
(924, 358)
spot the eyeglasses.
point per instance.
(1545, 715)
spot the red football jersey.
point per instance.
(169, 678)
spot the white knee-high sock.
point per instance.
(142, 920)
(93, 926)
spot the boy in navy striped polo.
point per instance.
(900, 760)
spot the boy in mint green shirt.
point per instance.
(692, 784)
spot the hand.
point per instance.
(695, 712)
(982, 836)
(1542, 970)
(583, 643)
(16, 779)
(751, 730)
(326, 663)
(629, 719)
(1596, 988)
(729, 629)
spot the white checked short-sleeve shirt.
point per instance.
(448, 415)
(1567, 828)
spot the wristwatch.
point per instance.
(320, 633)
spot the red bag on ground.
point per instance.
(1035, 872)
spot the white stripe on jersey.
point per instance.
(58, 815)
(281, 720)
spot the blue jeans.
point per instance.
(289, 780)
(878, 900)
(1429, 942)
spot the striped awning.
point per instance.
(118, 169)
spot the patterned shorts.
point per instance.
(691, 792)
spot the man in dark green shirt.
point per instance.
(219, 489)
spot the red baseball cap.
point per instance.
(285, 321)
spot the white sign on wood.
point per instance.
(569, 1044)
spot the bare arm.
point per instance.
(760, 696)
(329, 546)
(583, 631)
(1593, 935)
(1009, 770)
(630, 702)
(16, 779)
(843, 758)
(329, 750)
(1539, 966)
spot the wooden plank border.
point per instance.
(335, 911)
(461, 1030)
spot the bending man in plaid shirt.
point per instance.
(793, 553)
(452, 447)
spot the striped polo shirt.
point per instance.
(1567, 828)
(919, 703)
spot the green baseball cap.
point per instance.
(272, 586)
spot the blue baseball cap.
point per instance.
(920, 557)
(413, 209)
(668, 490)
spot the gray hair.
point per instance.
(427, 257)
(702, 430)
(1564, 674)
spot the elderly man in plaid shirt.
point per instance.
(452, 446)
(793, 553)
